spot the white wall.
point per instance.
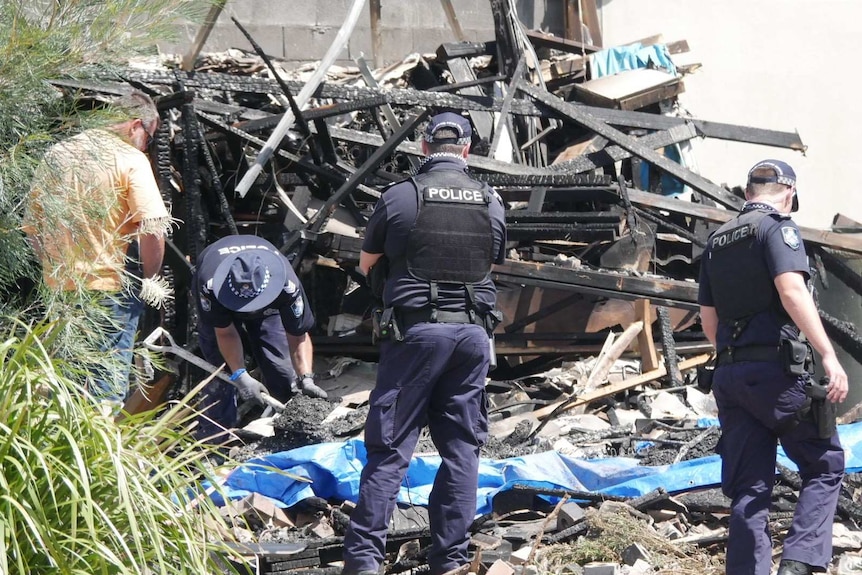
(776, 64)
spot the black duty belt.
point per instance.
(409, 318)
(749, 353)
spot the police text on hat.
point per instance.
(448, 128)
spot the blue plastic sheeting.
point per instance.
(331, 470)
(631, 57)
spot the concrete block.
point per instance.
(520, 555)
(601, 569)
(500, 568)
(669, 531)
(475, 15)
(641, 567)
(427, 15)
(399, 14)
(485, 541)
(635, 552)
(396, 43)
(427, 41)
(321, 529)
(569, 515)
(256, 12)
(269, 37)
(256, 507)
(304, 43)
(334, 12)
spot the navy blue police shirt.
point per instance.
(291, 304)
(387, 232)
(783, 251)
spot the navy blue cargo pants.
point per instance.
(436, 376)
(754, 401)
(266, 339)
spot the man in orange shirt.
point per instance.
(93, 196)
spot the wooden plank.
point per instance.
(506, 426)
(590, 17)
(646, 345)
(461, 71)
(590, 281)
(612, 154)
(452, 18)
(629, 90)
(572, 21)
(149, 396)
(542, 40)
(614, 388)
(374, 10)
(188, 62)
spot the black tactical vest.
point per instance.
(738, 276)
(451, 239)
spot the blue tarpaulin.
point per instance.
(331, 471)
(630, 57)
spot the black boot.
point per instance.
(791, 567)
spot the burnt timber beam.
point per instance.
(584, 233)
(474, 161)
(579, 116)
(413, 97)
(662, 291)
(612, 154)
(301, 122)
(507, 44)
(839, 268)
(845, 242)
(300, 238)
(540, 40)
(521, 323)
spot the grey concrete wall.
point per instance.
(303, 30)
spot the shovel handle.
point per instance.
(160, 332)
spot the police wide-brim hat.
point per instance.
(251, 278)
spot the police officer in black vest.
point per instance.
(247, 290)
(440, 232)
(754, 302)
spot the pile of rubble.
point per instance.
(606, 223)
(531, 528)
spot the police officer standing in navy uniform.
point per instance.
(440, 231)
(246, 288)
(754, 301)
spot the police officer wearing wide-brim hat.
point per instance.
(246, 289)
(440, 231)
(754, 302)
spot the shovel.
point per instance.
(173, 348)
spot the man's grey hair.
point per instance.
(136, 104)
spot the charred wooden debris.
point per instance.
(606, 222)
(606, 226)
